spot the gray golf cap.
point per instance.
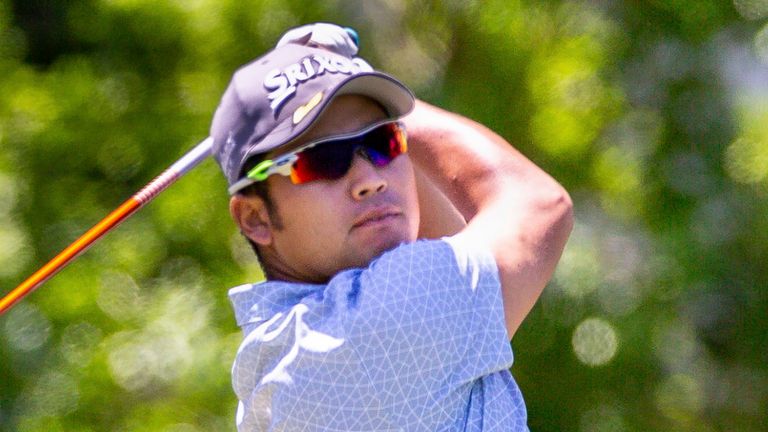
(274, 99)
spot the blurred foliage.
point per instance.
(653, 114)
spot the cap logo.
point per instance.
(282, 83)
(303, 110)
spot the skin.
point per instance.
(327, 226)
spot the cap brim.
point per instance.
(393, 96)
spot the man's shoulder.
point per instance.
(418, 247)
(455, 252)
(257, 302)
(451, 260)
(446, 247)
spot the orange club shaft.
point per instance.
(191, 159)
(69, 253)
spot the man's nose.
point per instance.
(366, 180)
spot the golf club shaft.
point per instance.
(129, 207)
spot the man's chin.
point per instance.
(382, 245)
(364, 256)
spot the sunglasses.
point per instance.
(331, 158)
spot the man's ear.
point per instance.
(251, 215)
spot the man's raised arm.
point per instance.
(512, 207)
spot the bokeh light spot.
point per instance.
(752, 9)
(135, 248)
(119, 296)
(139, 360)
(8, 194)
(570, 136)
(578, 272)
(604, 418)
(14, 249)
(115, 92)
(595, 342)
(131, 359)
(714, 222)
(128, 4)
(182, 427)
(761, 44)
(52, 394)
(34, 109)
(498, 16)
(420, 61)
(680, 397)
(79, 342)
(26, 328)
(165, 348)
(746, 160)
(618, 299)
(676, 345)
(618, 171)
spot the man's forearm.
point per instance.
(439, 217)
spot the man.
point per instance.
(360, 326)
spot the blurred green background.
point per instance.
(653, 114)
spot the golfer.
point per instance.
(403, 246)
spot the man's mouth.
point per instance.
(376, 215)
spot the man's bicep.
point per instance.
(526, 245)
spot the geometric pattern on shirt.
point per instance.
(415, 341)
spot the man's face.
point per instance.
(331, 225)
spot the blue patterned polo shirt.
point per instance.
(414, 342)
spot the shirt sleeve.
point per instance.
(428, 318)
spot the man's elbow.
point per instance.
(556, 207)
(562, 206)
